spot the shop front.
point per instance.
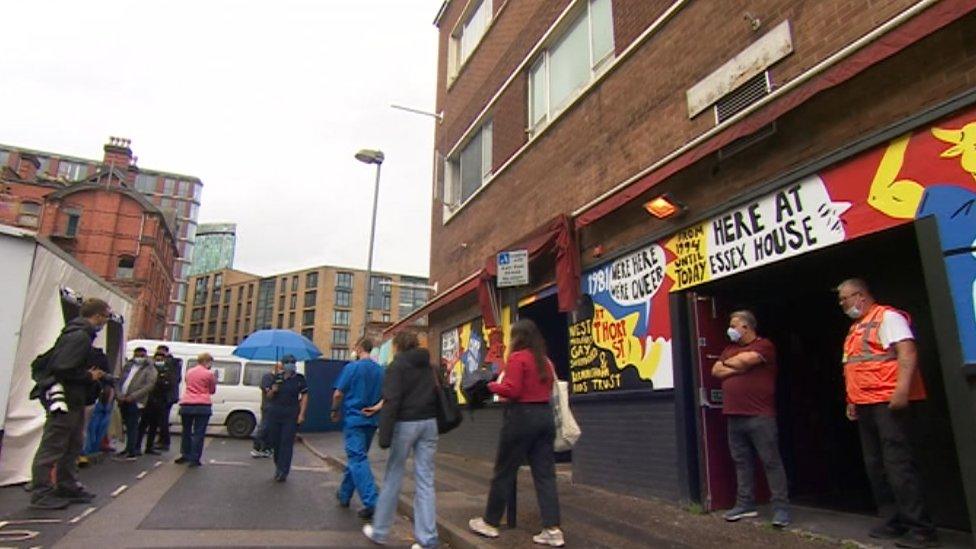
(651, 323)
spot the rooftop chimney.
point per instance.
(27, 167)
(118, 155)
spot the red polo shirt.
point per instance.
(752, 393)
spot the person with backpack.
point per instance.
(528, 430)
(64, 378)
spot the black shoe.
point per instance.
(75, 495)
(918, 540)
(366, 513)
(151, 452)
(181, 459)
(342, 503)
(885, 531)
(195, 464)
(280, 477)
(48, 501)
(162, 448)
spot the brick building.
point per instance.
(177, 195)
(783, 146)
(325, 304)
(104, 224)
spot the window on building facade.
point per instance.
(125, 267)
(146, 183)
(227, 295)
(570, 63)
(308, 317)
(340, 336)
(73, 218)
(309, 333)
(281, 301)
(413, 294)
(311, 280)
(169, 186)
(213, 311)
(200, 291)
(466, 37)
(344, 280)
(343, 298)
(284, 285)
(339, 354)
(467, 170)
(310, 298)
(250, 291)
(379, 292)
(340, 318)
(293, 302)
(263, 318)
(386, 317)
(72, 171)
(29, 214)
(294, 283)
(291, 319)
(197, 314)
(281, 321)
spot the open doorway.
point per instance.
(555, 330)
(797, 310)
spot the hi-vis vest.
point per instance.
(870, 370)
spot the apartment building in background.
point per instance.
(214, 248)
(176, 195)
(325, 304)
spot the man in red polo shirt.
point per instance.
(747, 368)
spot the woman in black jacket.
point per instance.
(408, 422)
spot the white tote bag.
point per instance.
(567, 430)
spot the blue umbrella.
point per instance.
(274, 344)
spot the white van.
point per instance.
(237, 402)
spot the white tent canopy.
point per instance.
(34, 272)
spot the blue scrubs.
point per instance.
(361, 383)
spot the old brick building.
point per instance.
(784, 145)
(109, 227)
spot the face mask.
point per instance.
(854, 312)
(354, 355)
(290, 368)
(142, 361)
(734, 335)
(160, 364)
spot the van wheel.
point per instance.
(240, 424)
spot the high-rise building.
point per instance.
(175, 194)
(325, 304)
(214, 248)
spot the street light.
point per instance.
(369, 156)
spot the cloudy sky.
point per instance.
(265, 101)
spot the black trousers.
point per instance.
(164, 439)
(61, 444)
(527, 432)
(891, 468)
(150, 423)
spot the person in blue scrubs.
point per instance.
(357, 393)
(287, 394)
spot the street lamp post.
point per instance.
(368, 156)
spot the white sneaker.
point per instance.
(552, 537)
(416, 546)
(479, 526)
(371, 534)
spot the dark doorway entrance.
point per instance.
(797, 309)
(555, 330)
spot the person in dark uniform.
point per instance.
(287, 395)
(152, 420)
(174, 367)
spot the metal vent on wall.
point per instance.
(738, 99)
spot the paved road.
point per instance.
(230, 502)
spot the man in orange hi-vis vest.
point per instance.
(882, 378)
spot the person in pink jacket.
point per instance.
(195, 409)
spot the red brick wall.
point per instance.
(638, 113)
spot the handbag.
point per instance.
(567, 430)
(448, 410)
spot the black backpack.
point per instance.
(39, 366)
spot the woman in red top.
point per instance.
(528, 430)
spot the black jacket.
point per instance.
(408, 392)
(69, 362)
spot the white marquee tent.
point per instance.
(39, 285)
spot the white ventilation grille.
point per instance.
(738, 99)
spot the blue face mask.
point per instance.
(290, 367)
(734, 335)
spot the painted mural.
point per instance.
(466, 349)
(621, 337)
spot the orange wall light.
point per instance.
(664, 206)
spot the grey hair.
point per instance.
(747, 317)
(857, 284)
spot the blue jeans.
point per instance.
(358, 475)
(421, 437)
(97, 427)
(194, 419)
(282, 429)
(130, 415)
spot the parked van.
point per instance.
(237, 402)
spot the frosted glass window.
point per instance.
(569, 64)
(538, 100)
(601, 28)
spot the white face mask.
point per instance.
(854, 312)
(734, 334)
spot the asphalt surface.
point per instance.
(232, 501)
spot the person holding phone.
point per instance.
(287, 397)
